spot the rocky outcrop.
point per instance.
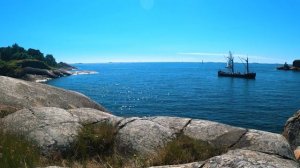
(51, 128)
(37, 71)
(21, 94)
(240, 158)
(90, 116)
(141, 136)
(292, 130)
(265, 142)
(248, 158)
(54, 129)
(220, 135)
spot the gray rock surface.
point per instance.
(265, 142)
(141, 136)
(50, 128)
(220, 135)
(177, 124)
(90, 116)
(188, 165)
(37, 71)
(22, 94)
(248, 159)
(292, 130)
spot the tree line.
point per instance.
(16, 52)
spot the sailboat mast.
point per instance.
(231, 62)
(247, 65)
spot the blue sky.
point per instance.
(268, 31)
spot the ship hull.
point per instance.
(237, 75)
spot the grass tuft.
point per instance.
(94, 142)
(15, 151)
(184, 149)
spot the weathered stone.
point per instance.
(175, 123)
(221, 135)
(49, 127)
(251, 159)
(22, 94)
(38, 71)
(292, 130)
(188, 165)
(90, 116)
(141, 136)
(265, 142)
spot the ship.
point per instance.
(231, 73)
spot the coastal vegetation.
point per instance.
(184, 149)
(14, 59)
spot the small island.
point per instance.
(31, 64)
(294, 67)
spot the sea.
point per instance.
(191, 90)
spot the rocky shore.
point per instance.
(44, 75)
(52, 118)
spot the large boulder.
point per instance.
(247, 158)
(265, 142)
(141, 136)
(292, 130)
(177, 124)
(89, 116)
(51, 128)
(220, 135)
(22, 94)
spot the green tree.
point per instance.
(17, 49)
(36, 54)
(20, 56)
(6, 53)
(50, 60)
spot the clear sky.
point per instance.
(154, 30)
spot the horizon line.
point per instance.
(131, 62)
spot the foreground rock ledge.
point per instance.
(54, 129)
(16, 94)
(240, 159)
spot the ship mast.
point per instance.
(247, 63)
(230, 64)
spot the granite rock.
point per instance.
(21, 94)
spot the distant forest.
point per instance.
(14, 58)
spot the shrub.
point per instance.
(15, 151)
(185, 150)
(93, 141)
(10, 69)
(32, 63)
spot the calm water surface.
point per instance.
(191, 90)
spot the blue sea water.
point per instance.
(191, 90)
